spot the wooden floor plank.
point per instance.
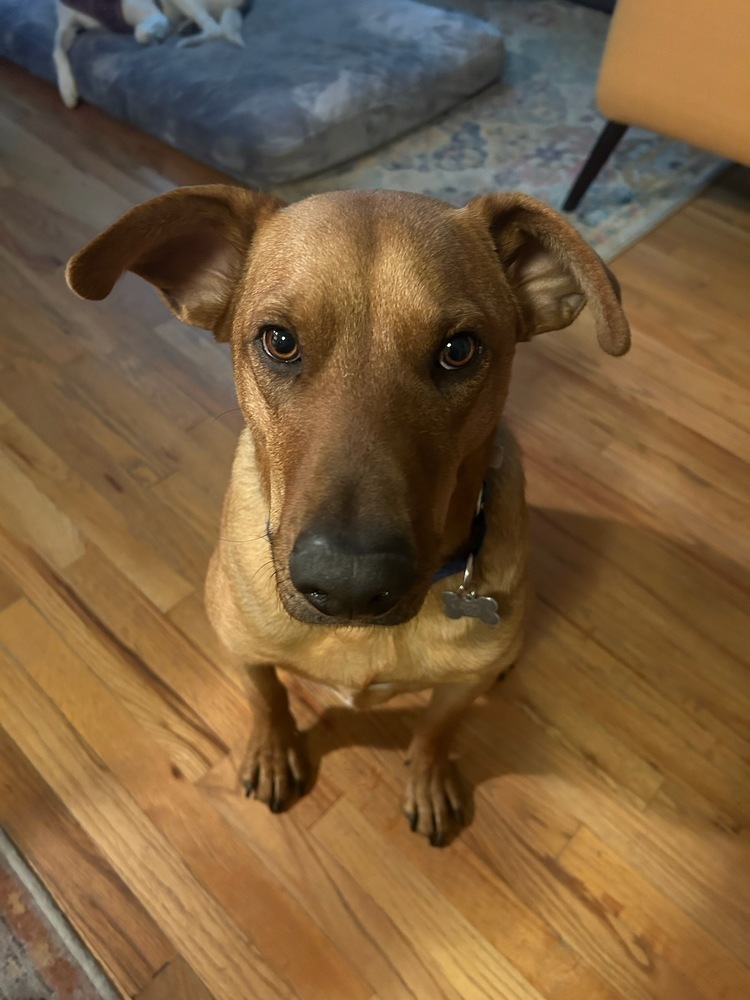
(224, 958)
(665, 381)
(676, 956)
(449, 944)
(662, 635)
(676, 852)
(34, 519)
(568, 688)
(332, 896)
(485, 899)
(171, 658)
(136, 682)
(206, 845)
(668, 573)
(95, 517)
(129, 945)
(677, 475)
(176, 979)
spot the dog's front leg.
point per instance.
(433, 801)
(195, 11)
(68, 26)
(231, 26)
(146, 19)
(273, 770)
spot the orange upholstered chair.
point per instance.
(677, 67)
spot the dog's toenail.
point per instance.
(276, 805)
(413, 822)
(437, 838)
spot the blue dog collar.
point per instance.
(476, 540)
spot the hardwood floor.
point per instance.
(608, 855)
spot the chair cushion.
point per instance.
(681, 68)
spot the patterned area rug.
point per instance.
(41, 958)
(533, 130)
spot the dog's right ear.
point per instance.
(191, 243)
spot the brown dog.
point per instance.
(372, 335)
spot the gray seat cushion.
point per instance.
(320, 81)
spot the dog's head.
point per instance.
(372, 335)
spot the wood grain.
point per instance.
(176, 979)
(607, 856)
(103, 910)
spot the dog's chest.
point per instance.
(370, 696)
(346, 661)
(366, 667)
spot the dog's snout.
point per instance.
(352, 577)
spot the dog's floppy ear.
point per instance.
(191, 243)
(551, 269)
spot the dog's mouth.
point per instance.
(297, 606)
(300, 607)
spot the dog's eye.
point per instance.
(280, 344)
(458, 351)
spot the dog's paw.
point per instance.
(433, 803)
(206, 35)
(231, 27)
(70, 96)
(66, 82)
(234, 39)
(152, 29)
(274, 769)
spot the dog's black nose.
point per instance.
(348, 577)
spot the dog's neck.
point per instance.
(478, 528)
(473, 546)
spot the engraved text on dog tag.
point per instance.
(469, 605)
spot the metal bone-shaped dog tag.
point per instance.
(469, 605)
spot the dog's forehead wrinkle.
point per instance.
(359, 230)
(312, 257)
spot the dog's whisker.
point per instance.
(268, 564)
(232, 409)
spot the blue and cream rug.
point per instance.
(532, 131)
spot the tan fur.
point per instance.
(244, 606)
(372, 283)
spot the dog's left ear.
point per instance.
(551, 269)
(191, 243)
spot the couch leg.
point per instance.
(604, 147)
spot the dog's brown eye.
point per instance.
(280, 344)
(458, 351)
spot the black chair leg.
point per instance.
(603, 149)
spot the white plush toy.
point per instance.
(148, 20)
